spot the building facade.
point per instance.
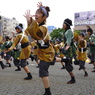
(84, 19)
(7, 26)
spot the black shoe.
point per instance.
(63, 67)
(91, 63)
(86, 75)
(28, 78)
(80, 68)
(2, 65)
(46, 94)
(37, 66)
(18, 70)
(9, 65)
(71, 81)
(93, 71)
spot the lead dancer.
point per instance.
(37, 30)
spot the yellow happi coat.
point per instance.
(34, 50)
(82, 55)
(25, 52)
(40, 33)
(57, 48)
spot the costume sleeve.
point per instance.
(82, 44)
(32, 44)
(92, 38)
(16, 41)
(85, 43)
(76, 36)
(29, 22)
(68, 37)
(35, 31)
(3, 46)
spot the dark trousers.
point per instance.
(68, 64)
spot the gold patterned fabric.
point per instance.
(57, 48)
(76, 36)
(82, 55)
(46, 54)
(34, 50)
(35, 31)
(25, 52)
(40, 33)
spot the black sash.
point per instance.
(24, 45)
(45, 46)
(84, 49)
(92, 45)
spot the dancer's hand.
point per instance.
(67, 47)
(5, 51)
(39, 4)
(27, 15)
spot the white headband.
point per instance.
(44, 11)
(67, 23)
(18, 27)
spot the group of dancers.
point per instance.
(43, 50)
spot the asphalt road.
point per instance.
(12, 83)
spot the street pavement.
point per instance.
(12, 83)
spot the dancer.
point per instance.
(67, 50)
(81, 53)
(58, 47)
(16, 59)
(91, 46)
(1, 62)
(37, 29)
(7, 44)
(25, 51)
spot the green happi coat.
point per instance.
(92, 46)
(5, 46)
(68, 40)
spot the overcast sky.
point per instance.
(60, 9)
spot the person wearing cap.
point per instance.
(22, 39)
(91, 46)
(38, 30)
(68, 41)
(82, 53)
(67, 50)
